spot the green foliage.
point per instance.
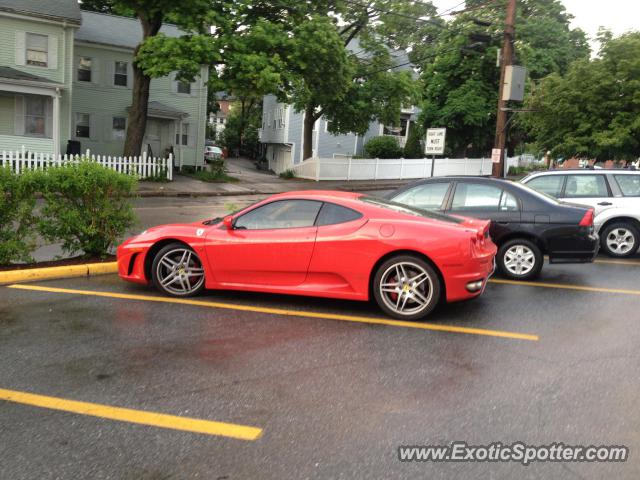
(17, 201)
(414, 148)
(594, 110)
(241, 130)
(461, 86)
(383, 147)
(215, 173)
(288, 174)
(86, 207)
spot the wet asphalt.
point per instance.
(334, 399)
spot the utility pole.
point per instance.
(506, 60)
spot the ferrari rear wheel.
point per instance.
(177, 271)
(406, 287)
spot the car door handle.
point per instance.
(605, 204)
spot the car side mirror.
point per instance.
(228, 222)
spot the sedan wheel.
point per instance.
(177, 270)
(620, 240)
(520, 259)
(406, 287)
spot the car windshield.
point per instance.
(416, 212)
(537, 193)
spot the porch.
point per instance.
(29, 112)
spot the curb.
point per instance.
(156, 193)
(48, 273)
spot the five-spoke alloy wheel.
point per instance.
(520, 259)
(406, 287)
(619, 239)
(177, 271)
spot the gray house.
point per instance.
(282, 129)
(66, 74)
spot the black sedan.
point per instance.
(525, 224)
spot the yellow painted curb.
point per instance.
(67, 271)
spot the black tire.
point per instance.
(423, 295)
(508, 264)
(619, 230)
(161, 271)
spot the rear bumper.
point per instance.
(458, 278)
(585, 251)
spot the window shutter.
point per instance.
(194, 87)
(191, 138)
(94, 125)
(107, 128)
(19, 115)
(52, 60)
(20, 47)
(48, 123)
(95, 71)
(174, 83)
(109, 72)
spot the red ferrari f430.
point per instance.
(323, 244)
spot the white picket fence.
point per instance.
(388, 168)
(141, 166)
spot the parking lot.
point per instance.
(263, 386)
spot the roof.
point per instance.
(106, 29)
(586, 171)
(13, 74)
(319, 194)
(157, 109)
(53, 9)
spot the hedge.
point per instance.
(86, 208)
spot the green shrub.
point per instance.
(288, 174)
(383, 147)
(87, 207)
(413, 147)
(17, 200)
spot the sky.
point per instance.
(617, 15)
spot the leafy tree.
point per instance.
(592, 111)
(414, 148)
(383, 147)
(461, 84)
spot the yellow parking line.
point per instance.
(563, 286)
(294, 313)
(161, 420)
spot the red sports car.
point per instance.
(324, 244)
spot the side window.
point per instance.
(429, 196)
(476, 197)
(508, 203)
(629, 185)
(332, 214)
(280, 214)
(549, 184)
(585, 186)
(120, 74)
(84, 69)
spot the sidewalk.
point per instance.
(254, 182)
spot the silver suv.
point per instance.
(614, 194)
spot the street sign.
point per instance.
(514, 80)
(496, 155)
(435, 141)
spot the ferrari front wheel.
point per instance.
(406, 287)
(177, 270)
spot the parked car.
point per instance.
(212, 153)
(525, 224)
(324, 244)
(614, 194)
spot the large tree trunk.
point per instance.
(309, 119)
(137, 121)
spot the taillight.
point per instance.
(587, 220)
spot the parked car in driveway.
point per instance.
(323, 244)
(212, 153)
(614, 194)
(525, 224)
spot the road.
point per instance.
(330, 392)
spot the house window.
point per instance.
(396, 131)
(184, 87)
(119, 127)
(83, 129)
(182, 138)
(120, 75)
(37, 49)
(84, 69)
(35, 115)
